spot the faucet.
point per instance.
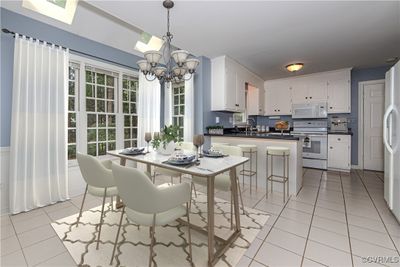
(250, 125)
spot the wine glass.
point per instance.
(197, 144)
(147, 138)
(201, 145)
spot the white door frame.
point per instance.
(360, 164)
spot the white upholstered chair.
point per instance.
(223, 181)
(148, 205)
(99, 182)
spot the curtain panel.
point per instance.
(148, 108)
(38, 150)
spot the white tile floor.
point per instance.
(335, 220)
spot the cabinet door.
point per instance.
(339, 96)
(253, 101)
(283, 100)
(299, 91)
(270, 101)
(339, 152)
(230, 89)
(240, 92)
(317, 90)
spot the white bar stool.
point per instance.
(280, 152)
(250, 151)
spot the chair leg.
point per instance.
(83, 201)
(180, 178)
(231, 210)
(116, 238)
(101, 217)
(152, 230)
(240, 195)
(194, 188)
(172, 180)
(112, 202)
(189, 233)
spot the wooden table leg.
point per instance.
(210, 220)
(119, 203)
(234, 188)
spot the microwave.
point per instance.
(309, 110)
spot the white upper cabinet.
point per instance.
(277, 98)
(332, 87)
(228, 85)
(255, 101)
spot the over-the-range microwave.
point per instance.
(309, 110)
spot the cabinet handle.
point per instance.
(310, 97)
(330, 147)
(237, 105)
(306, 97)
(279, 110)
(331, 107)
(339, 139)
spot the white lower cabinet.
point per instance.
(339, 152)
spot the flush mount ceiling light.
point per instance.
(294, 67)
(62, 10)
(148, 42)
(177, 63)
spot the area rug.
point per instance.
(171, 247)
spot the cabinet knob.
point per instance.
(330, 147)
(331, 107)
(279, 110)
(306, 97)
(310, 97)
(237, 105)
(339, 139)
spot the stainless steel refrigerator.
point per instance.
(391, 139)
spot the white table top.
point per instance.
(208, 166)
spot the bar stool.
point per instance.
(280, 152)
(249, 150)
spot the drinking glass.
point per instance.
(197, 144)
(147, 138)
(201, 145)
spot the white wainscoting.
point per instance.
(4, 177)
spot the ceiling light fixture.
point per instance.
(294, 67)
(177, 63)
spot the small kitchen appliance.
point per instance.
(313, 110)
(339, 125)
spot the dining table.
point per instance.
(207, 168)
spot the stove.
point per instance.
(314, 135)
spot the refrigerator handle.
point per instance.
(385, 128)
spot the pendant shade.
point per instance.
(180, 56)
(144, 65)
(192, 64)
(179, 71)
(159, 71)
(153, 57)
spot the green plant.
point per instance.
(212, 127)
(168, 134)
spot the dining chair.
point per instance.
(148, 205)
(173, 174)
(99, 182)
(223, 181)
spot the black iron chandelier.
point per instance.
(177, 63)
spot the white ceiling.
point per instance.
(262, 35)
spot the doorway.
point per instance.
(371, 105)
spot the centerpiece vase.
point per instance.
(168, 150)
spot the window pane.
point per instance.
(176, 91)
(125, 107)
(100, 92)
(133, 108)
(102, 121)
(134, 121)
(182, 90)
(125, 84)
(89, 90)
(134, 143)
(176, 110)
(133, 96)
(111, 146)
(110, 106)
(91, 135)
(182, 110)
(102, 148)
(91, 149)
(89, 76)
(90, 105)
(91, 120)
(110, 80)
(71, 103)
(72, 136)
(181, 121)
(134, 133)
(101, 106)
(111, 120)
(111, 134)
(71, 151)
(127, 121)
(100, 78)
(176, 100)
(102, 135)
(71, 73)
(127, 144)
(127, 133)
(110, 93)
(71, 120)
(182, 99)
(71, 88)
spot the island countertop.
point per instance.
(257, 135)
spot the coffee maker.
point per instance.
(339, 125)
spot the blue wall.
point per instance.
(27, 26)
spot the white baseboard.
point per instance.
(356, 167)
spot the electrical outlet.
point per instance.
(216, 119)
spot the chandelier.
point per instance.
(177, 63)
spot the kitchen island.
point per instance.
(262, 141)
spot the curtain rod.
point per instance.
(72, 50)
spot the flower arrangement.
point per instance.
(168, 134)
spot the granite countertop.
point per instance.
(261, 136)
(341, 133)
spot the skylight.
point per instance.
(62, 10)
(148, 42)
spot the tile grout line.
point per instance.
(347, 220)
(312, 217)
(391, 239)
(19, 242)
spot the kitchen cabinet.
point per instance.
(228, 84)
(255, 101)
(278, 98)
(309, 89)
(339, 93)
(339, 152)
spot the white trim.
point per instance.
(361, 120)
(4, 149)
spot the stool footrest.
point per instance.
(248, 173)
(280, 179)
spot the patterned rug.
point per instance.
(171, 241)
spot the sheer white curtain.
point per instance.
(148, 108)
(168, 104)
(38, 151)
(188, 120)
